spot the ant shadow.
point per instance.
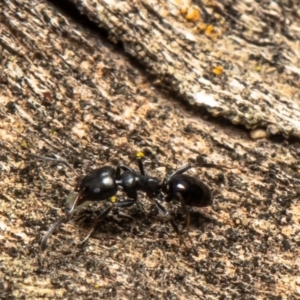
(137, 221)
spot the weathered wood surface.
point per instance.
(66, 91)
(257, 45)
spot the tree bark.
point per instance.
(238, 60)
(67, 91)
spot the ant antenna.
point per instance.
(58, 160)
(70, 212)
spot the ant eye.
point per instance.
(96, 190)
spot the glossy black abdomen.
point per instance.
(193, 191)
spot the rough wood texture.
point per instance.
(66, 91)
(238, 59)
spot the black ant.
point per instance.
(102, 184)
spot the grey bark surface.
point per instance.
(66, 91)
(256, 44)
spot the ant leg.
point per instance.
(61, 220)
(122, 167)
(75, 203)
(95, 223)
(141, 166)
(205, 165)
(171, 220)
(126, 203)
(185, 168)
(50, 231)
(188, 215)
(176, 229)
(162, 209)
(139, 157)
(179, 171)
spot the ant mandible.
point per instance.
(102, 184)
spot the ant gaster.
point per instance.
(102, 184)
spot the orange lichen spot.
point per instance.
(218, 70)
(193, 15)
(202, 26)
(183, 11)
(209, 30)
(214, 37)
(209, 3)
(195, 30)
